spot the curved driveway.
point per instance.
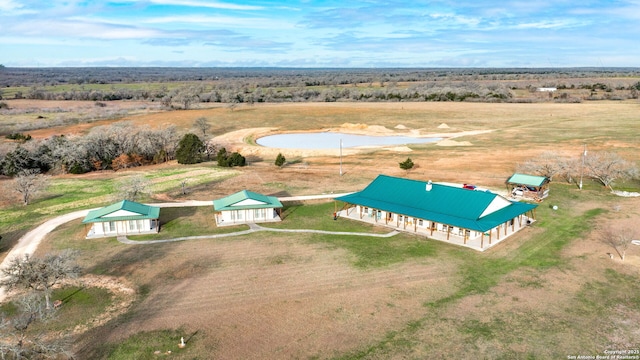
(30, 241)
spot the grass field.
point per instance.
(541, 294)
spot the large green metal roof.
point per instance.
(524, 179)
(131, 211)
(469, 209)
(246, 200)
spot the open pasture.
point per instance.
(542, 294)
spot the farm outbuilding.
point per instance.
(528, 186)
(472, 218)
(123, 218)
(246, 207)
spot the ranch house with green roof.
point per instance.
(471, 218)
(246, 207)
(123, 218)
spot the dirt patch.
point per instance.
(123, 295)
(279, 297)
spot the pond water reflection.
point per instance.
(331, 140)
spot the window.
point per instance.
(239, 214)
(132, 224)
(259, 213)
(112, 226)
(420, 222)
(366, 210)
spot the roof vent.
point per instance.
(429, 186)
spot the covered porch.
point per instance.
(473, 239)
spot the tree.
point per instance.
(607, 167)
(134, 187)
(183, 185)
(280, 160)
(29, 182)
(619, 235)
(202, 125)
(190, 149)
(221, 157)
(547, 164)
(406, 165)
(17, 343)
(229, 160)
(40, 274)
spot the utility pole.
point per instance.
(584, 156)
(340, 157)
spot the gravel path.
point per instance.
(252, 228)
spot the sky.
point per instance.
(332, 33)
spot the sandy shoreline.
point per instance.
(244, 140)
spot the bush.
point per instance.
(280, 160)
(229, 160)
(407, 164)
(19, 136)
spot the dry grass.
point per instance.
(290, 296)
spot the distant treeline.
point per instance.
(271, 77)
(182, 87)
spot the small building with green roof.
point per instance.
(473, 218)
(528, 186)
(123, 218)
(246, 207)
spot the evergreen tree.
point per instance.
(406, 165)
(280, 160)
(190, 149)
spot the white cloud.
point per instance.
(207, 4)
(255, 23)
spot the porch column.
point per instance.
(415, 225)
(448, 232)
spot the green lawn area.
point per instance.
(187, 221)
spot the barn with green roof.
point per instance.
(473, 218)
(123, 218)
(246, 207)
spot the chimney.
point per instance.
(429, 186)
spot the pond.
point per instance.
(331, 140)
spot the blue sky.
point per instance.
(299, 33)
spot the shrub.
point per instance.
(280, 160)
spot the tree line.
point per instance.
(604, 167)
(182, 87)
(113, 147)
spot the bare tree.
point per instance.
(40, 274)
(17, 343)
(202, 125)
(134, 187)
(29, 182)
(183, 185)
(607, 167)
(619, 235)
(547, 164)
